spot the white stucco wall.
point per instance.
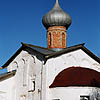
(6, 89)
(57, 64)
(29, 69)
(75, 58)
(74, 93)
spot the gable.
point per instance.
(46, 53)
(77, 57)
(16, 61)
(74, 58)
(23, 50)
(72, 49)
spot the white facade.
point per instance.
(34, 75)
(6, 89)
(57, 64)
(75, 58)
(74, 93)
(28, 77)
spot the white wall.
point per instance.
(75, 58)
(74, 93)
(6, 89)
(57, 64)
(29, 69)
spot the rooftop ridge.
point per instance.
(25, 44)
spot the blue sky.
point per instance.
(20, 21)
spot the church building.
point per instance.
(57, 72)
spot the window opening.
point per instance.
(32, 86)
(84, 98)
(63, 39)
(49, 39)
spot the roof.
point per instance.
(7, 75)
(49, 53)
(42, 50)
(77, 76)
(56, 17)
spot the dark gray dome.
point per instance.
(56, 17)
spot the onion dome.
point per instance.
(77, 76)
(56, 17)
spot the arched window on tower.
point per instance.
(63, 40)
(49, 40)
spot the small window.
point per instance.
(84, 98)
(63, 40)
(49, 40)
(32, 86)
(55, 99)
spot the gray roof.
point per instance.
(48, 53)
(7, 75)
(42, 50)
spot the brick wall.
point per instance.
(56, 37)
